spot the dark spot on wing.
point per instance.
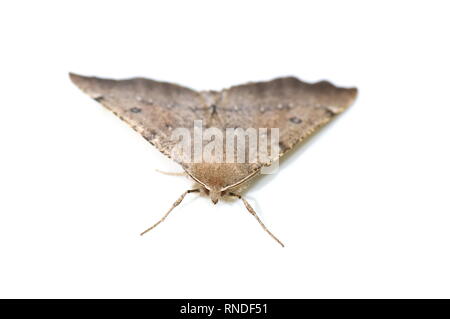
(330, 112)
(149, 136)
(283, 147)
(135, 110)
(99, 99)
(295, 120)
(213, 109)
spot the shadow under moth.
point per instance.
(158, 109)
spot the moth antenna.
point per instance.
(252, 211)
(177, 202)
(171, 173)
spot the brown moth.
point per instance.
(155, 109)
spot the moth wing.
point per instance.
(152, 108)
(296, 108)
(155, 109)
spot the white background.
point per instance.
(363, 207)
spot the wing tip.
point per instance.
(353, 93)
(76, 78)
(84, 83)
(87, 85)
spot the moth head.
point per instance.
(214, 195)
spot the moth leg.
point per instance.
(252, 211)
(177, 202)
(171, 173)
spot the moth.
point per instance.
(155, 109)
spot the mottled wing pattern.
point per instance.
(295, 107)
(155, 109)
(152, 108)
